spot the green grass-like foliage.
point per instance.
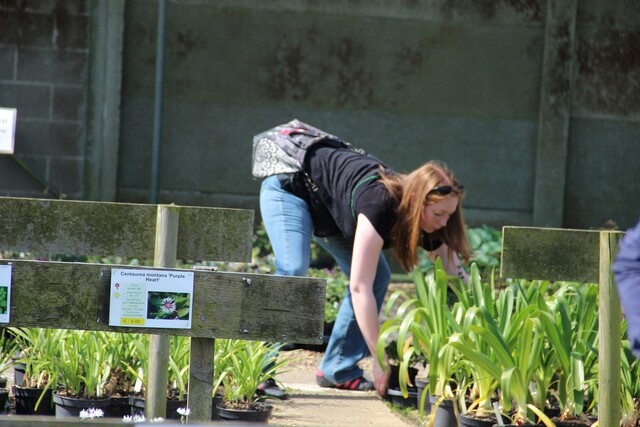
(523, 343)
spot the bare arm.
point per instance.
(364, 263)
(452, 265)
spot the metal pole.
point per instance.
(157, 113)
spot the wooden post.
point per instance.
(609, 411)
(160, 345)
(576, 256)
(201, 378)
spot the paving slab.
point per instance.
(311, 405)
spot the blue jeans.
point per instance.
(288, 223)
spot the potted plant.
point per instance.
(570, 322)
(630, 381)
(250, 364)
(517, 341)
(177, 378)
(223, 349)
(478, 359)
(8, 347)
(83, 369)
(427, 321)
(38, 349)
(126, 365)
(403, 372)
(178, 375)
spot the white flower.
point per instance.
(184, 411)
(157, 420)
(168, 305)
(134, 419)
(91, 413)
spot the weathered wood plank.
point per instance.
(46, 226)
(166, 247)
(226, 305)
(550, 254)
(201, 360)
(610, 319)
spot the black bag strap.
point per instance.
(355, 187)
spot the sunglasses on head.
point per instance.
(444, 190)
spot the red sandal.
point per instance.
(357, 384)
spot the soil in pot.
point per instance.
(243, 412)
(395, 397)
(26, 399)
(575, 422)
(470, 420)
(519, 425)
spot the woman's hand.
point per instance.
(381, 378)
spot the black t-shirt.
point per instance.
(346, 188)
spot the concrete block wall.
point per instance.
(533, 103)
(44, 48)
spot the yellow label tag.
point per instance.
(131, 321)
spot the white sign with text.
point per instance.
(5, 293)
(7, 129)
(151, 298)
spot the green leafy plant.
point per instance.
(126, 363)
(8, 348)
(250, 364)
(570, 320)
(336, 289)
(630, 384)
(83, 367)
(517, 341)
(422, 325)
(479, 361)
(38, 350)
(179, 365)
(486, 243)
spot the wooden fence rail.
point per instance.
(225, 305)
(576, 256)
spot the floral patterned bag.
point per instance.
(282, 149)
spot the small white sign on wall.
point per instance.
(7, 129)
(5, 293)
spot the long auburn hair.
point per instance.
(412, 192)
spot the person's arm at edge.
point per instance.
(626, 268)
(367, 246)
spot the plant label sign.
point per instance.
(5, 292)
(151, 298)
(7, 129)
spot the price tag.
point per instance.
(132, 321)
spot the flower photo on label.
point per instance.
(168, 306)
